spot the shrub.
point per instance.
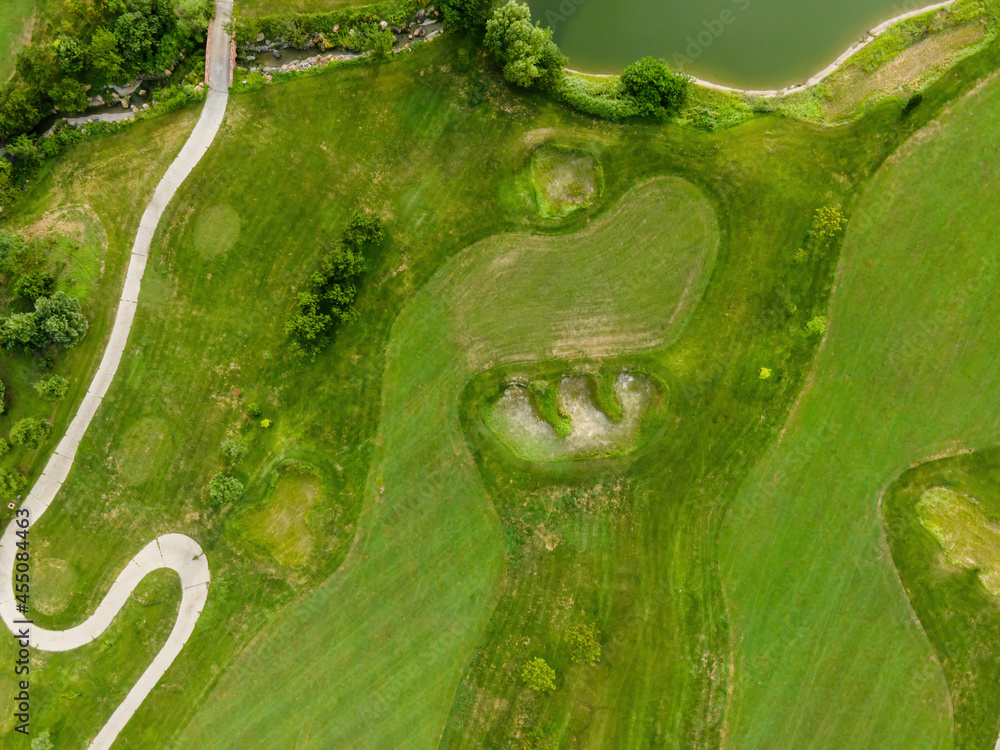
(538, 675)
(52, 388)
(56, 319)
(42, 742)
(11, 482)
(265, 423)
(466, 14)
(235, 448)
(827, 223)
(30, 432)
(602, 97)
(540, 739)
(253, 409)
(816, 326)
(381, 43)
(31, 286)
(4, 447)
(224, 489)
(764, 373)
(3, 390)
(584, 646)
(654, 87)
(530, 58)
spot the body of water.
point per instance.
(756, 44)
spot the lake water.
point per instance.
(757, 44)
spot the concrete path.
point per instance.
(174, 551)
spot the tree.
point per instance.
(69, 96)
(102, 55)
(13, 248)
(17, 110)
(31, 286)
(135, 40)
(363, 231)
(193, 15)
(69, 54)
(11, 482)
(37, 65)
(381, 43)
(59, 319)
(765, 373)
(466, 14)
(4, 447)
(42, 742)
(19, 328)
(224, 489)
(540, 739)
(52, 388)
(235, 448)
(584, 646)
(30, 433)
(539, 675)
(654, 87)
(23, 147)
(529, 56)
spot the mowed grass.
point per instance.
(957, 611)
(407, 615)
(15, 31)
(828, 653)
(437, 145)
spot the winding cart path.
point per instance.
(177, 552)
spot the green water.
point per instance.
(757, 44)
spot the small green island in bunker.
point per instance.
(547, 375)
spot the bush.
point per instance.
(827, 223)
(816, 326)
(3, 390)
(765, 373)
(265, 423)
(584, 646)
(538, 675)
(31, 286)
(235, 448)
(540, 739)
(224, 489)
(56, 320)
(11, 482)
(602, 97)
(253, 409)
(530, 58)
(30, 433)
(4, 447)
(52, 388)
(656, 90)
(42, 742)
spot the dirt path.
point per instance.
(174, 551)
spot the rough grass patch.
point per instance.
(565, 180)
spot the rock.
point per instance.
(251, 58)
(418, 32)
(260, 37)
(428, 21)
(409, 36)
(421, 15)
(134, 108)
(336, 28)
(124, 103)
(276, 53)
(351, 32)
(146, 105)
(142, 92)
(167, 72)
(384, 25)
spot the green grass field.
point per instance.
(15, 30)
(269, 7)
(828, 653)
(438, 562)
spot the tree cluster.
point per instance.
(55, 320)
(99, 42)
(529, 56)
(538, 675)
(328, 299)
(584, 644)
(224, 489)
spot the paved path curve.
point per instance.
(174, 551)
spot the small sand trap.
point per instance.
(514, 420)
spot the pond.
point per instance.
(755, 44)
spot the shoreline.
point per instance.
(870, 36)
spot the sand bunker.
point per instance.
(515, 421)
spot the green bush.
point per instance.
(4, 447)
(538, 675)
(52, 388)
(656, 89)
(31, 286)
(816, 326)
(253, 409)
(540, 739)
(604, 97)
(827, 223)
(42, 742)
(11, 482)
(224, 489)
(30, 433)
(466, 14)
(56, 320)
(584, 646)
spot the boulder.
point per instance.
(421, 15)
(260, 37)
(336, 28)
(276, 53)
(384, 25)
